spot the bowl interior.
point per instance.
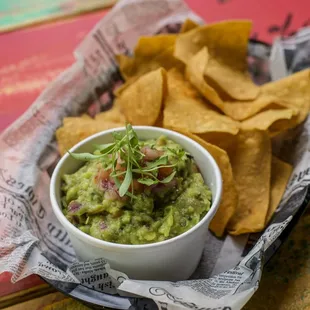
(203, 159)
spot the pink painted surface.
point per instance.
(31, 58)
(263, 13)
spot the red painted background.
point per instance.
(30, 58)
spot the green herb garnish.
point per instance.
(126, 151)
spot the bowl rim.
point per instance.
(68, 226)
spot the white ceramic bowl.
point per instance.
(173, 259)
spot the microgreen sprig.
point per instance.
(125, 150)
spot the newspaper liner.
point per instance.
(31, 239)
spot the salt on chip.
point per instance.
(195, 74)
(188, 25)
(251, 165)
(141, 101)
(274, 120)
(227, 44)
(293, 91)
(185, 109)
(280, 174)
(229, 199)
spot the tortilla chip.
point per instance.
(153, 45)
(188, 25)
(185, 109)
(178, 86)
(241, 110)
(160, 120)
(113, 115)
(76, 129)
(235, 83)
(223, 140)
(194, 73)
(251, 165)
(127, 66)
(293, 91)
(238, 110)
(269, 119)
(117, 92)
(195, 116)
(72, 119)
(141, 101)
(280, 174)
(227, 44)
(229, 199)
(229, 39)
(133, 68)
(85, 116)
(166, 60)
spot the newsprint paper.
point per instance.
(32, 241)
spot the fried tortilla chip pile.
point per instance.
(197, 83)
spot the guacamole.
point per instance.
(165, 198)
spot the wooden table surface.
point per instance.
(32, 57)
